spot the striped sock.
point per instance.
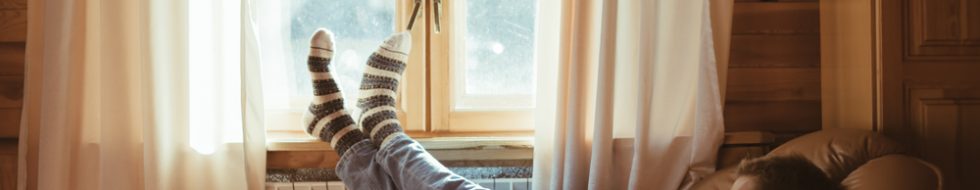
(379, 88)
(327, 119)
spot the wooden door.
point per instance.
(930, 83)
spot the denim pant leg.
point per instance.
(358, 170)
(411, 167)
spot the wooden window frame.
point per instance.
(446, 119)
(425, 96)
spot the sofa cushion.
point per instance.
(894, 172)
(839, 151)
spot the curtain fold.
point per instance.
(253, 114)
(638, 98)
(108, 99)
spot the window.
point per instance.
(489, 63)
(476, 76)
(358, 26)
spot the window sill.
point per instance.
(297, 141)
(297, 150)
(289, 149)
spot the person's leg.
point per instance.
(411, 167)
(326, 118)
(358, 170)
(379, 88)
(329, 121)
(405, 161)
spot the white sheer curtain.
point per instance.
(147, 94)
(639, 95)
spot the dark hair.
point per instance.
(785, 172)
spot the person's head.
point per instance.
(781, 172)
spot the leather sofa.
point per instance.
(857, 159)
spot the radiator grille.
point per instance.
(495, 184)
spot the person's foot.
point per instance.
(379, 88)
(326, 119)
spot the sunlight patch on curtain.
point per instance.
(214, 68)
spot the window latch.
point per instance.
(437, 7)
(415, 14)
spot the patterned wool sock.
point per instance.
(379, 88)
(327, 119)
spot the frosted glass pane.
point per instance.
(358, 27)
(499, 44)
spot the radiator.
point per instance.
(495, 184)
(312, 185)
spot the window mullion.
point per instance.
(413, 91)
(439, 68)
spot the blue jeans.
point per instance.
(402, 163)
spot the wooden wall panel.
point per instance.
(13, 4)
(773, 84)
(776, 18)
(11, 92)
(774, 73)
(943, 30)
(13, 25)
(8, 164)
(11, 58)
(774, 116)
(9, 123)
(13, 33)
(762, 50)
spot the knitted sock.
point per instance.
(379, 88)
(327, 119)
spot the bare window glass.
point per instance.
(499, 54)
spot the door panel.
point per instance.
(930, 83)
(943, 30)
